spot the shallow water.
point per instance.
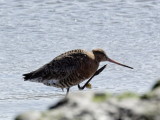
(34, 32)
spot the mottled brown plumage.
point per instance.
(70, 68)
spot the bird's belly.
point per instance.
(52, 82)
(75, 78)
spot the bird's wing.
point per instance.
(58, 68)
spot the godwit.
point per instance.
(71, 68)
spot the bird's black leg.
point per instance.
(79, 87)
(67, 92)
(96, 73)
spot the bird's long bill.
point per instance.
(110, 60)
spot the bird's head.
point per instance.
(100, 56)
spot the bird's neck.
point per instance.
(97, 59)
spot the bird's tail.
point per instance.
(28, 76)
(35, 76)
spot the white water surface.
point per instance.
(33, 32)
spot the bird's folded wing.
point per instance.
(56, 69)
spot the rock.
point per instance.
(156, 85)
(102, 106)
(32, 115)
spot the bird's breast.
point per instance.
(88, 69)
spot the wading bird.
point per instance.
(71, 68)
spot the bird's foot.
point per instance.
(80, 88)
(89, 86)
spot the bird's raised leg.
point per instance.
(96, 73)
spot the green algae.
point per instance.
(101, 97)
(127, 95)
